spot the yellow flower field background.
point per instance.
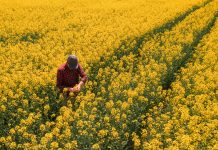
(152, 69)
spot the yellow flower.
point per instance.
(44, 140)
(130, 100)
(49, 136)
(55, 131)
(125, 106)
(117, 118)
(67, 146)
(9, 139)
(115, 134)
(106, 119)
(2, 140)
(144, 133)
(27, 145)
(109, 104)
(12, 131)
(80, 124)
(102, 133)
(65, 90)
(2, 108)
(96, 146)
(124, 116)
(124, 126)
(136, 140)
(126, 135)
(74, 144)
(25, 102)
(67, 132)
(94, 110)
(46, 109)
(13, 145)
(54, 145)
(42, 127)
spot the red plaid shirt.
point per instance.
(69, 78)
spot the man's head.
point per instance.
(72, 62)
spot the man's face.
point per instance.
(72, 68)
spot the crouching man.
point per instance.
(68, 76)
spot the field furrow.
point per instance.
(189, 119)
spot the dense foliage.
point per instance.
(152, 69)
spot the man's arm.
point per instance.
(83, 76)
(59, 83)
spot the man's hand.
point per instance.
(81, 83)
(71, 89)
(76, 88)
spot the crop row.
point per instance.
(189, 119)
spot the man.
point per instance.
(68, 76)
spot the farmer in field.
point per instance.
(68, 76)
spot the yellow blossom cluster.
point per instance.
(130, 51)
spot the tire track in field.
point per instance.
(118, 53)
(129, 49)
(189, 50)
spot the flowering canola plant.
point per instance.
(130, 51)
